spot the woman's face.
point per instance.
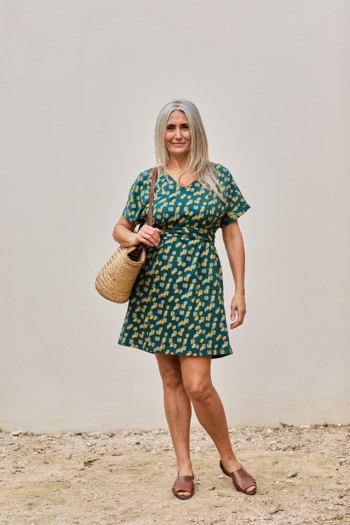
(177, 134)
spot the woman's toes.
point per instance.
(251, 488)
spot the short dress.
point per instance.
(176, 305)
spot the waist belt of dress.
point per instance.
(190, 232)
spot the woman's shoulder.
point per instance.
(143, 179)
(145, 175)
(222, 170)
(223, 175)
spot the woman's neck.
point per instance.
(176, 163)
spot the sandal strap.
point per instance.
(242, 480)
(184, 483)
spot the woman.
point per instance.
(176, 308)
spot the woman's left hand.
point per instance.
(237, 305)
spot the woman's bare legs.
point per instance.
(178, 412)
(208, 407)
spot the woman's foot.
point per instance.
(184, 471)
(232, 465)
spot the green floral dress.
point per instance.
(176, 305)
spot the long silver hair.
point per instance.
(198, 158)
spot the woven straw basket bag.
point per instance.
(116, 279)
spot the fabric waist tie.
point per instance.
(190, 232)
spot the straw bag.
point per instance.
(116, 279)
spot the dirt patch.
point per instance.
(126, 477)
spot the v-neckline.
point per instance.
(180, 185)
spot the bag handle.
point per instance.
(153, 183)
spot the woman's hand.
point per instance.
(238, 305)
(148, 235)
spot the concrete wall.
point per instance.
(81, 84)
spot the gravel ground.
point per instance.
(302, 473)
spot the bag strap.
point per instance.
(153, 183)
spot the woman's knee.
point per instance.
(170, 373)
(199, 390)
(172, 379)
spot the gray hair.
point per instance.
(198, 159)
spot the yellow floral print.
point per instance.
(176, 305)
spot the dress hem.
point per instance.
(213, 356)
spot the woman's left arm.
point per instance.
(233, 241)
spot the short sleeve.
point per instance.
(134, 207)
(236, 203)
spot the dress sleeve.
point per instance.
(134, 207)
(236, 203)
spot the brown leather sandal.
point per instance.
(183, 483)
(241, 479)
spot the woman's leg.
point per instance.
(208, 407)
(178, 412)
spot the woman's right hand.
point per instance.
(148, 235)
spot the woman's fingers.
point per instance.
(149, 235)
(144, 240)
(238, 321)
(241, 311)
(147, 239)
(152, 235)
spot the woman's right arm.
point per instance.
(124, 234)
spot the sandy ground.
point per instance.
(126, 477)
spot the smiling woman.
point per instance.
(181, 146)
(177, 138)
(176, 308)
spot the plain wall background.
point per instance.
(81, 84)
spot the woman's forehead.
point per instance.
(177, 115)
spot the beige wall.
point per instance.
(81, 84)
